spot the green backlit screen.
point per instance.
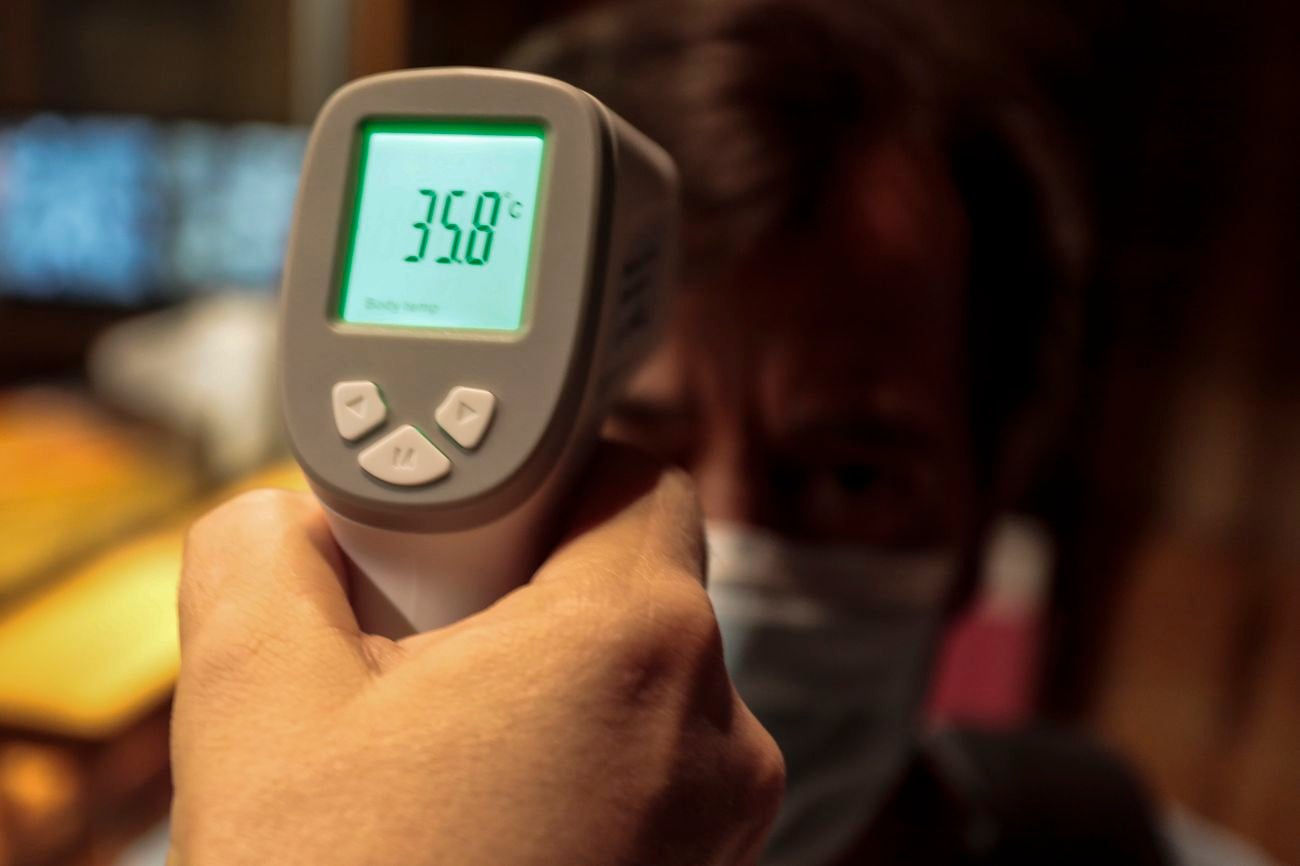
(442, 225)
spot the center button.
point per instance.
(405, 457)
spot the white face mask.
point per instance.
(829, 646)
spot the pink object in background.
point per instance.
(988, 664)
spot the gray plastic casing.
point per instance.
(603, 250)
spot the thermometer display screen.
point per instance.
(442, 225)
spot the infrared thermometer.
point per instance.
(477, 261)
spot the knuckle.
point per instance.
(214, 533)
(232, 516)
(668, 636)
(758, 767)
(230, 546)
(260, 508)
(684, 614)
(767, 771)
(264, 508)
(256, 514)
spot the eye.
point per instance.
(841, 484)
(857, 478)
(863, 483)
(786, 478)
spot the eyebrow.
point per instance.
(653, 409)
(865, 426)
(862, 425)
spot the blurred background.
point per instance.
(1148, 593)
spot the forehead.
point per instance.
(864, 305)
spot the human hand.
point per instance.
(586, 718)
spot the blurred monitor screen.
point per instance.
(125, 211)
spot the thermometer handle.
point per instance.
(405, 582)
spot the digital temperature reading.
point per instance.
(484, 226)
(442, 225)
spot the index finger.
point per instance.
(264, 568)
(636, 523)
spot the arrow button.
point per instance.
(465, 414)
(358, 408)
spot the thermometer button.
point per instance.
(358, 408)
(465, 414)
(405, 457)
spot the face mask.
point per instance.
(830, 649)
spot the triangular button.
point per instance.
(465, 414)
(358, 408)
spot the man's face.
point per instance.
(818, 388)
